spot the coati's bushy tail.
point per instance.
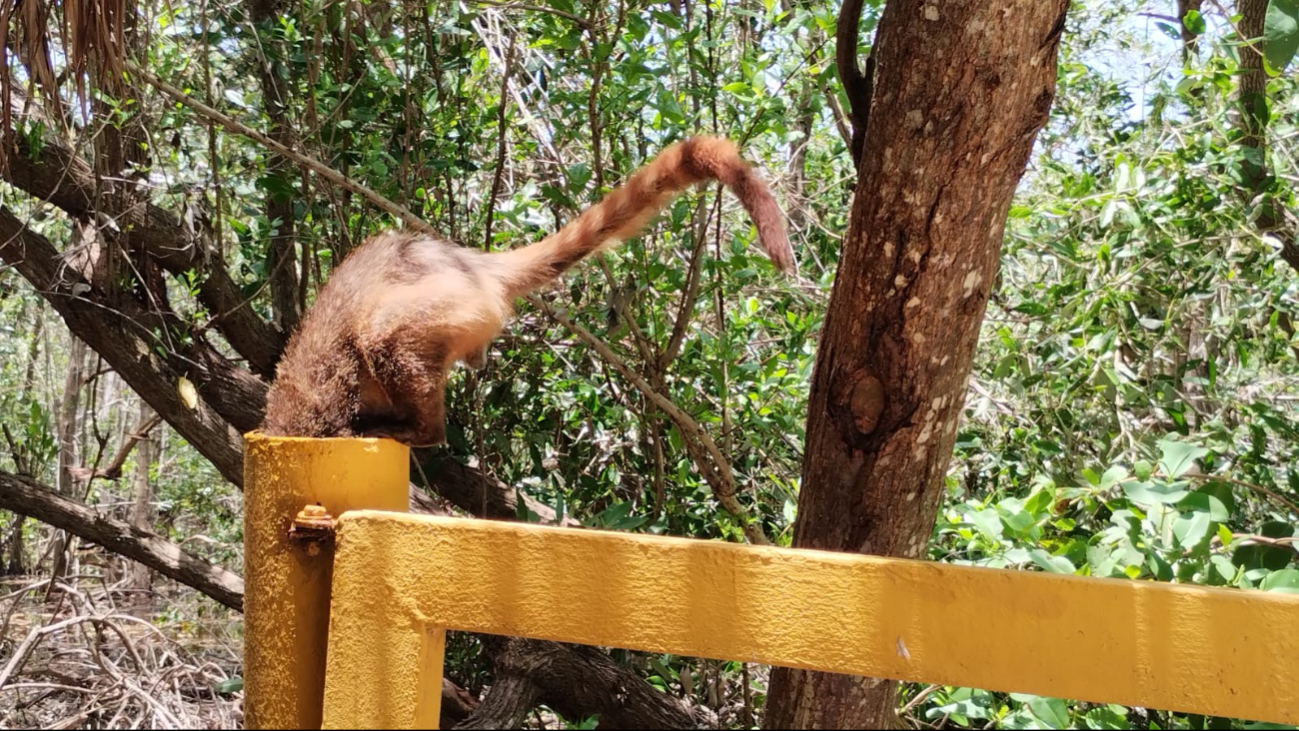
(626, 210)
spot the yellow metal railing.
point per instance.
(400, 581)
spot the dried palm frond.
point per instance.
(94, 33)
(24, 31)
(34, 16)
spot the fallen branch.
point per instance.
(575, 681)
(28, 497)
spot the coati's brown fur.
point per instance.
(372, 354)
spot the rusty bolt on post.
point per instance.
(312, 527)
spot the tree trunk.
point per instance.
(282, 258)
(1252, 93)
(1255, 114)
(66, 432)
(961, 90)
(69, 405)
(142, 512)
(14, 539)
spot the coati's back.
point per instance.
(319, 379)
(402, 308)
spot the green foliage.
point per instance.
(1281, 33)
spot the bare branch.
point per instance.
(54, 173)
(113, 470)
(857, 85)
(115, 330)
(26, 496)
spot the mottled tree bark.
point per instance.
(1252, 92)
(961, 89)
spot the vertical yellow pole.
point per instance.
(286, 604)
(385, 658)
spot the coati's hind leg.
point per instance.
(414, 376)
(477, 359)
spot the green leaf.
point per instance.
(1178, 457)
(1108, 717)
(579, 174)
(1051, 711)
(1281, 33)
(1192, 529)
(1286, 581)
(523, 512)
(1194, 22)
(1018, 521)
(1253, 556)
(1039, 502)
(1209, 502)
(1052, 564)
(1142, 469)
(667, 19)
(229, 685)
(738, 88)
(1155, 493)
(988, 523)
(662, 669)
(1223, 566)
(1224, 535)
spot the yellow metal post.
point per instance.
(286, 605)
(1141, 643)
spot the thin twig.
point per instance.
(500, 146)
(1250, 485)
(398, 211)
(724, 479)
(536, 8)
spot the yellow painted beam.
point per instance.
(1175, 647)
(286, 604)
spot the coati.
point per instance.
(372, 354)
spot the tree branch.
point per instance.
(857, 85)
(114, 330)
(576, 681)
(396, 210)
(478, 494)
(28, 497)
(55, 174)
(113, 470)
